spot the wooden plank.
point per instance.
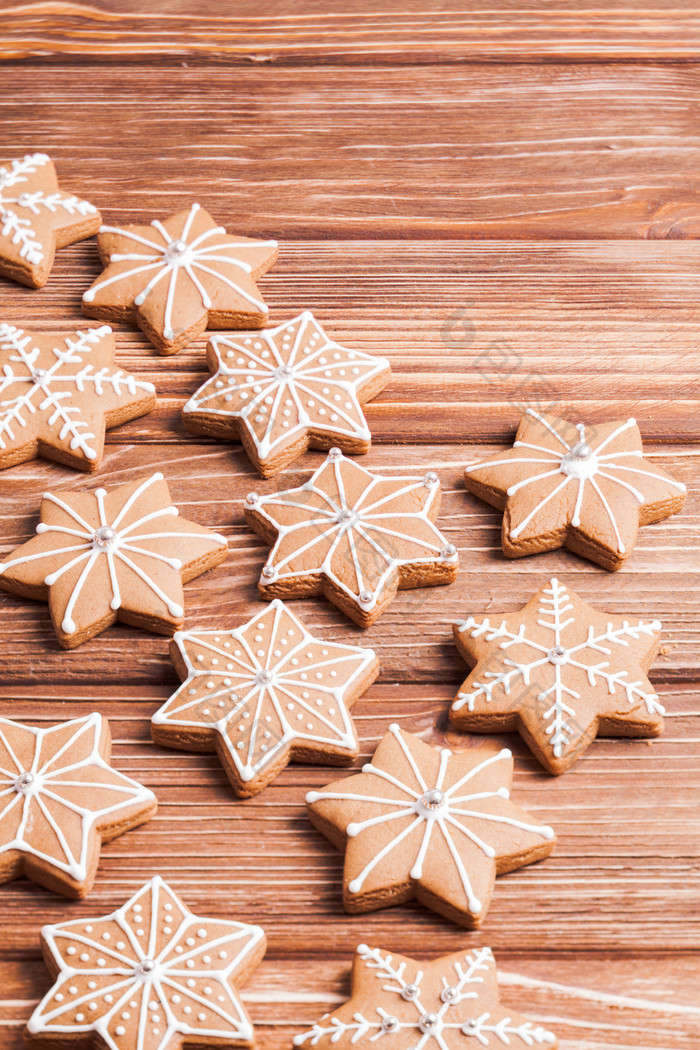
(597, 151)
(408, 31)
(209, 484)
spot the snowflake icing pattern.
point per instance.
(286, 383)
(20, 199)
(56, 789)
(62, 393)
(266, 688)
(150, 976)
(560, 672)
(449, 1004)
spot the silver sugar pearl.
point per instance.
(366, 597)
(334, 453)
(469, 1027)
(430, 478)
(344, 515)
(24, 781)
(284, 370)
(145, 967)
(38, 374)
(268, 572)
(581, 450)
(448, 995)
(264, 677)
(390, 1023)
(428, 1022)
(251, 499)
(449, 551)
(176, 249)
(433, 799)
(410, 991)
(104, 536)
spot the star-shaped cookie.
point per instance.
(60, 800)
(428, 823)
(177, 277)
(104, 556)
(354, 536)
(151, 976)
(587, 488)
(451, 1003)
(264, 694)
(559, 672)
(285, 390)
(58, 395)
(36, 218)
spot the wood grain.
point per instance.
(597, 151)
(504, 199)
(400, 31)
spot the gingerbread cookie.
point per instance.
(565, 485)
(151, 976)
(60, 800)
(559, 672)
(354, 536)
(58, 395)
(451, 1003)
(36, 218)
(104, 556)
(177, 277)
(263, 695)
(283, 391)
(428, 823)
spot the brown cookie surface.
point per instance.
(265, 694)
(451, 1003)
(60, 800)
(103, 556)
(354, 536)
(587, 488)
(285, 390)
(177, 277)
(150, 976)
(58, 395)
(559, 672)
(426, 823)
(36, 218)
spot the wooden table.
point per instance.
(503, 199)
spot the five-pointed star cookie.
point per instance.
(60, 800)
(451, 1003)
(177, 277)
(264, 694)
(559, 672)
(286, 390)
(428, 823)
(58, 395)
(151, 976)
(36, 218)
(104, 556)
(568, 485)
(354, 536)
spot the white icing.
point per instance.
(312, 381)
(16, 211)
(367, 529)
(465, 1007)
(27, 388)
(584, 469)
(44, 792)
(182, 258)
(177, 967)
(253, 692)
(122, 549)
(426, 820)
(575, 647)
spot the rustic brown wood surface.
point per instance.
(503, 199)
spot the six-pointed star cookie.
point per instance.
(36, 218)
(286, 390)
(151, 976)
(451, 1003)
(58, 395)
(428, 823)
(60, 800)
(104, 556)
(176, 278)
(568, 485)
(354, 536)
(559, 672)
(263, 694)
